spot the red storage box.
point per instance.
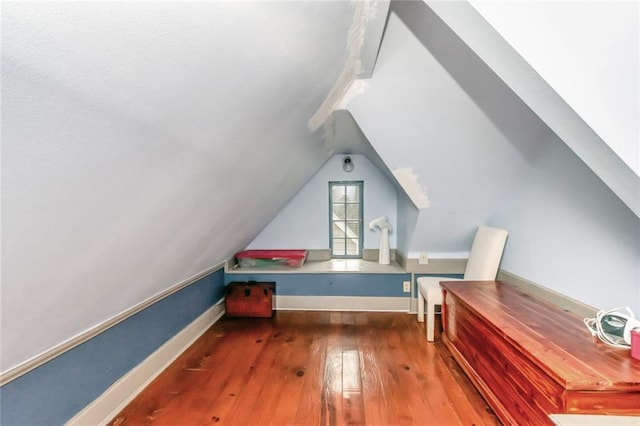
(266, 258)
(249, 299)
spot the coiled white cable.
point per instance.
(595, 328)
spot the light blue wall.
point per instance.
(433, 126)
(54, 392)
(408, 215)
(304, 222)
(569, 232)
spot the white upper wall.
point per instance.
(588, 51)
(145, 142)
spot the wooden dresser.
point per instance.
(530, 358)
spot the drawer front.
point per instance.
(524, 390)
(603, 402)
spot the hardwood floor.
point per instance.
(312, 368)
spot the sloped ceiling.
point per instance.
(144, 142)
(579, 118)
(593, 62)
(347, 138)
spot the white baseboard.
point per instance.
(114, 399)
(414, 306)
(342, 303)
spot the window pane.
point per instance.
(352, 247)
(353, 193)
(353, 229)
(338, 247)
(353, 235)
(345, 221)
(338, 211)
(353, 211)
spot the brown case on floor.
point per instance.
(249, 299)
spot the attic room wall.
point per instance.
(304, 222)
(432, 126)
(142, 144)
(486, 159)
(408, 215)
(570, 233)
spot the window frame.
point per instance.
(360, 185)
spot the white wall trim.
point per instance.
(342, 303)
(117, 396)
(23, 368)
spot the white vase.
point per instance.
(383, 258)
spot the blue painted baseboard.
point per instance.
(54, 392)
(333, 284)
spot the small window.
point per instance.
(345, 217)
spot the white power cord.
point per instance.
(595, 327)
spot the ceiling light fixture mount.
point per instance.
(347, 164)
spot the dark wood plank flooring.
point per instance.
(312, 368)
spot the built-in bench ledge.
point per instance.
(319, 262)
(325, 266)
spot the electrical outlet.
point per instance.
(406, 286)
(424, 258)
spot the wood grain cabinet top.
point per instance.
(530, 358)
